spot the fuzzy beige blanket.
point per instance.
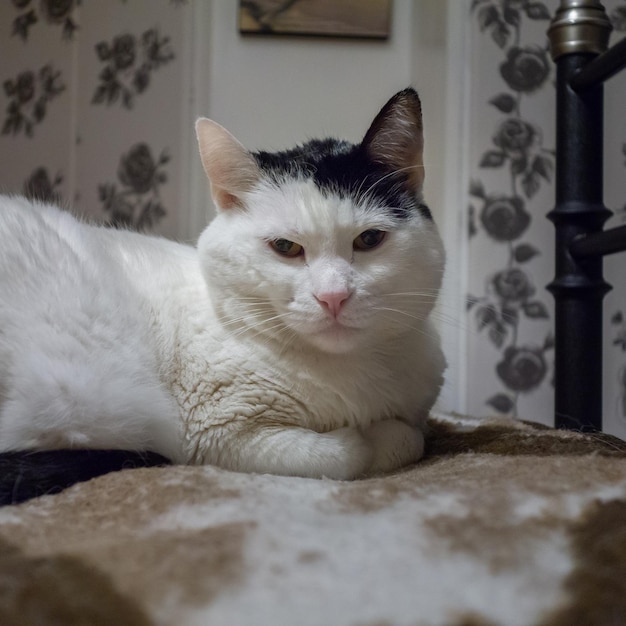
(503, 522)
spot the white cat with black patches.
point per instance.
(294, 340)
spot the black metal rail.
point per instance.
(601, 68)
(579, 36)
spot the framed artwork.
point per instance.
(321, 18)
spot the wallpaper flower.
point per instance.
(30, 94)
(129, 62)
(618, 319)
(85, 133)
(505, 213)
(40, 185)
(54, 12)
(137, 203)
(511, 191)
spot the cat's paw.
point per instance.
(341, 454)
(355, 455)
(395, 444)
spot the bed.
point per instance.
(579, 35)
(503, 522)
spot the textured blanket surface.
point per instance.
(503, 522)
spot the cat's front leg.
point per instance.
(342, 454)
(395, 444)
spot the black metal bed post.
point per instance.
(579, 32)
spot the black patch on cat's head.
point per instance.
(345, 169)
(382, 168)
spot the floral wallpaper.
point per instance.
(129, 62)
(504, 213)
(511, 189)
(88, 103)
(29, 95)
(137, 203)
(59, 13)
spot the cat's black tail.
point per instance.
(25, 475)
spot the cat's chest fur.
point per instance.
(219, 379)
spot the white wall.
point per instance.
(272, 92)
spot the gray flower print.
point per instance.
(29, 95)
(137, 204)
(40, 186)
(512, 285)
(505, 215)
(618, 18)
(523, 368)
(526, 68)
(504, 218)
(129, 64)
(515, 137)
(502, 18)
(54, 12)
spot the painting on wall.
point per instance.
(323, 18)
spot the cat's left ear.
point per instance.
(231, 169)
(395, 139)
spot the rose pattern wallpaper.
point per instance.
(510, 191)
(518, 150)
(59, 13)
(29, 95)
(87, 87)
(129, 62)
(41, 185)
(137, 203)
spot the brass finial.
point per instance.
(579, 26)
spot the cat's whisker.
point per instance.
(419, 318)
(433, 306)
(261, 325)
(427, 291)
(417, 299)
(448, 314)
(257, 328)
(363, 196)
(419, 328)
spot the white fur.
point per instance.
(222, 355)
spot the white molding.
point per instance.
(74, 87)
(454, 222)
(194, 197)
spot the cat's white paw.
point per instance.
(342, 454)
(395, 444)
(355, 455)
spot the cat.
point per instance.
(295, 339)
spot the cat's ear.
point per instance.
(231, 169)
(395, 138)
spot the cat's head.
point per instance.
(329, 243)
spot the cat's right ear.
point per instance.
(231, 169)
(395, 138)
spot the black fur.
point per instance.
(26, 475)
(350, 170)
(343, 168)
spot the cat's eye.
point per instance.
(369, 239)
(287, 248)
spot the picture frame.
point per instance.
(357, 19)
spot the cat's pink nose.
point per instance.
(332, 301)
